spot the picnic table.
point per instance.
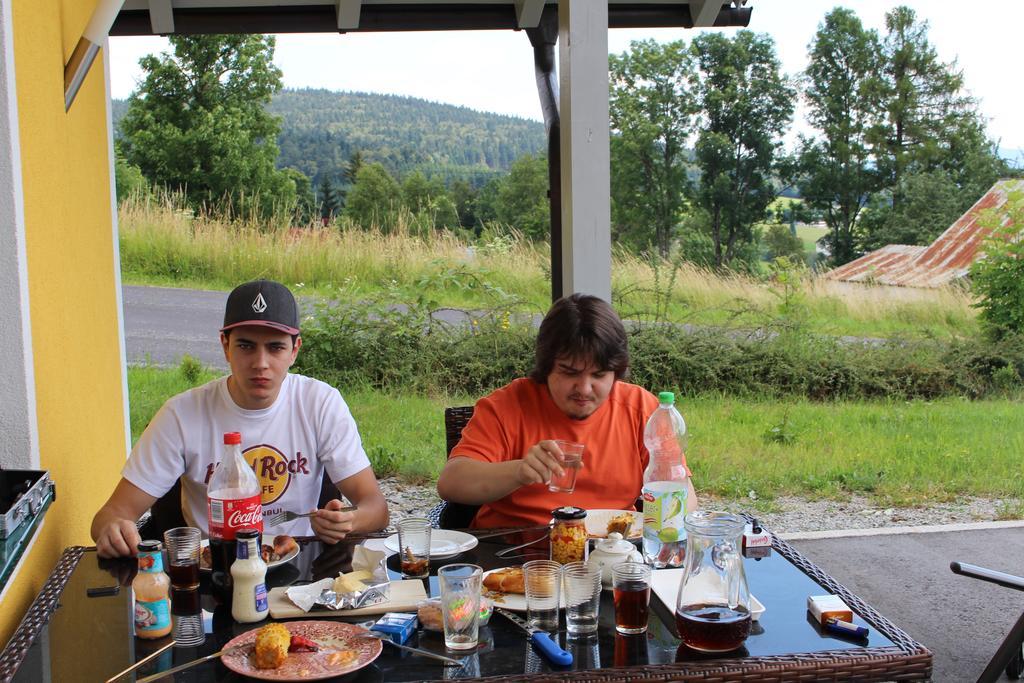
(68, 636)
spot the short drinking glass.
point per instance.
(631, 582)
(460, 604)
(543, 580)
(182, 545)
(572, 461)
(414, 547)
(581, 584)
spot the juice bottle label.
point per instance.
(664, 510)
(152, 616)
(227, 517)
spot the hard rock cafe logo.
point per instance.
(273, 469)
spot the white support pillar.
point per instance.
(586, 177)
(17, 374)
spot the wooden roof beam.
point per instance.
(348, 14)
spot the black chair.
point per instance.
(1009, 657)
(446, 514)
(166, 511)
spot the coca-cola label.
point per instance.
(227, 517)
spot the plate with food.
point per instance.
(629, 523)
(301, 651)
(282, 551)
(506, 587)
(443, 543)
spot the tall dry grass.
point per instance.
(162, 242)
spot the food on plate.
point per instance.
(205, 560)
(272, 643)
(621, 523)
(508, 580)
(302, 644)
(284, 545)
(342, 657)
(429, 613)
(351, 582)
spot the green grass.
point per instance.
(165, 246)
(897, 453)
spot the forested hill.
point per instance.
(321, 129)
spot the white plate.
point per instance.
(270, 565)
(514, 601)
(444, 543)
(597, 523)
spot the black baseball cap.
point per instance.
(264, 303)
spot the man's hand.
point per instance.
(540, 463)
(330, 524)
(119, 538)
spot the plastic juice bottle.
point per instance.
(665, 487)
(234, 503)
(248, 573)
(150, 587)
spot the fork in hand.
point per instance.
(287, 515)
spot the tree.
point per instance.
(745, 104)
(781, 242)
(651, 109)
(128, 180)
(924, 115)
(522, 200)
(836, 168)
(374, 198)
(464, 197)
(327, 201)
(198, 122)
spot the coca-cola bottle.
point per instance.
(233, 500)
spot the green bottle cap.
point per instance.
(666, 397)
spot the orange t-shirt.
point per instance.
(506, 424)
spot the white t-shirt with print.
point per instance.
(307, 429)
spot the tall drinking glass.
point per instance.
(182, 545)
(460, 604)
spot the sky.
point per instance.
(493, 70)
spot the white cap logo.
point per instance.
(259, 304)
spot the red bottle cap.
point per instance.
(232, 438)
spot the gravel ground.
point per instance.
(781, 515)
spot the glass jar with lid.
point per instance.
(569, 535)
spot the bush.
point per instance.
(998, 277)
(407, 349)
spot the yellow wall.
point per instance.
(72, 284)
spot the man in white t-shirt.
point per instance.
(293, 428)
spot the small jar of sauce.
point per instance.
(151, 590)
(569, 535)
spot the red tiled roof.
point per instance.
(946, 259)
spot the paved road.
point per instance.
(906, 577)
(162, 324)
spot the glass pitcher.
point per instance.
(713, 607)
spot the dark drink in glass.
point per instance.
(631, 601)
(184, 574)
(713, 628)
(185, 602)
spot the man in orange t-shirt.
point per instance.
(508, 454)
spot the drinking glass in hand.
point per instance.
(581, 584)
(460, 604)
(631, 582)
(572, 461)
(182, 545)
(414, 547)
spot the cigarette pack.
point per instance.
(825, 607)
(396, 625)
